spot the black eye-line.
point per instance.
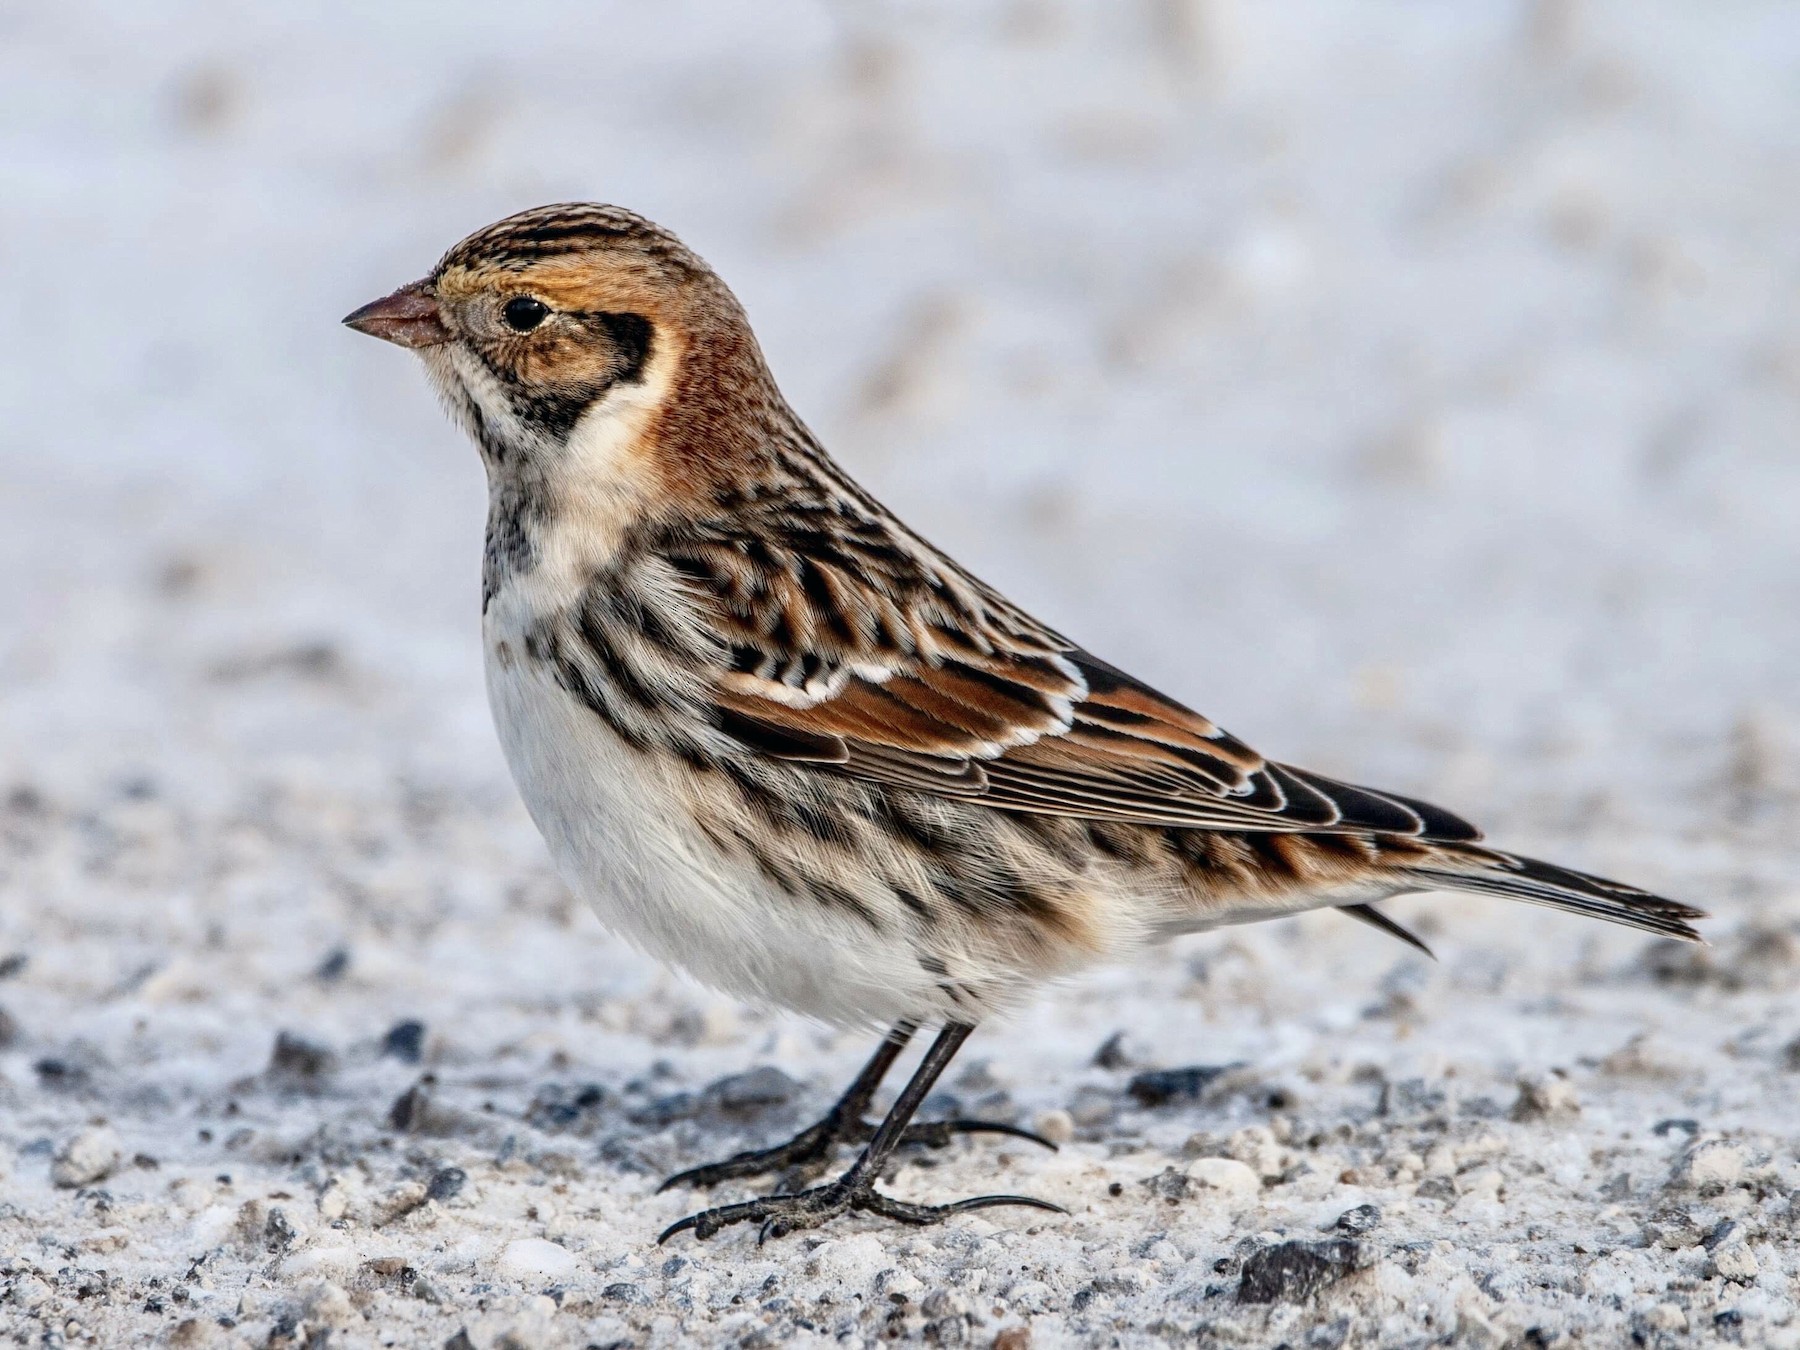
(523, 313)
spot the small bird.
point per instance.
(779, 740)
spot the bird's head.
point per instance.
(583, 343)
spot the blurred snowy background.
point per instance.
(1410, 386)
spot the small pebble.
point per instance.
(743, 1096)
(1170, 1184)
(399, 1202)
(1549, 1098)
(896, 1283)
(1710, 1166)
(1292, 1272)
(1112, 1053)
(88, 1157)
(1356, 1222)
(405, 1041)
(333, 967)
(297, 1060)
(408, 1111)
(1159, 1087)
(1736, 1263)
(1255, 1147)
(446, 1183)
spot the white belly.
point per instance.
(621, 833)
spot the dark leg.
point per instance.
(844, 1123)
(782, 1214)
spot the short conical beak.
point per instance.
(409, 317)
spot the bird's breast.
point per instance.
(622, 823)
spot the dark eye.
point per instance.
(523, 313)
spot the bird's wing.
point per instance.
(863, 651)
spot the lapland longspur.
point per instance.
(778, 739)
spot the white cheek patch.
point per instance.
(474, 397)
(604, 472)
(596, 455)
(599, 448)
(601, 445)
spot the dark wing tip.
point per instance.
(1441, 826)
(1387, 812)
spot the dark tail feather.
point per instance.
(1541, 883)
(1381, 923)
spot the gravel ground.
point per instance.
(1412, 387)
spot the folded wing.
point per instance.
(860, 650)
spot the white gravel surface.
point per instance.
(1411, 386)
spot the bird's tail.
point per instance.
(1472, 867)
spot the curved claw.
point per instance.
(680, 1179)
(680, 1226)
(779, 1215)
(989, 1201)
(816, 1141)
(996, 1127)
(706, 1173)
(902, 1211)
(709, 1221)
(809, 1145)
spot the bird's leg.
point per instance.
(846, 1122)
(855, 1190)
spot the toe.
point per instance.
(938, 1133)
(996, 1127)
(681, 1226)
(694, 1176)
(903, 1211)
(806, 1147)
(990, 1201)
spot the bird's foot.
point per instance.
(809, 1146)
(815, 1142)
(780, 1215)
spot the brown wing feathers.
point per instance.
(1161, 763)
(879, 665)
